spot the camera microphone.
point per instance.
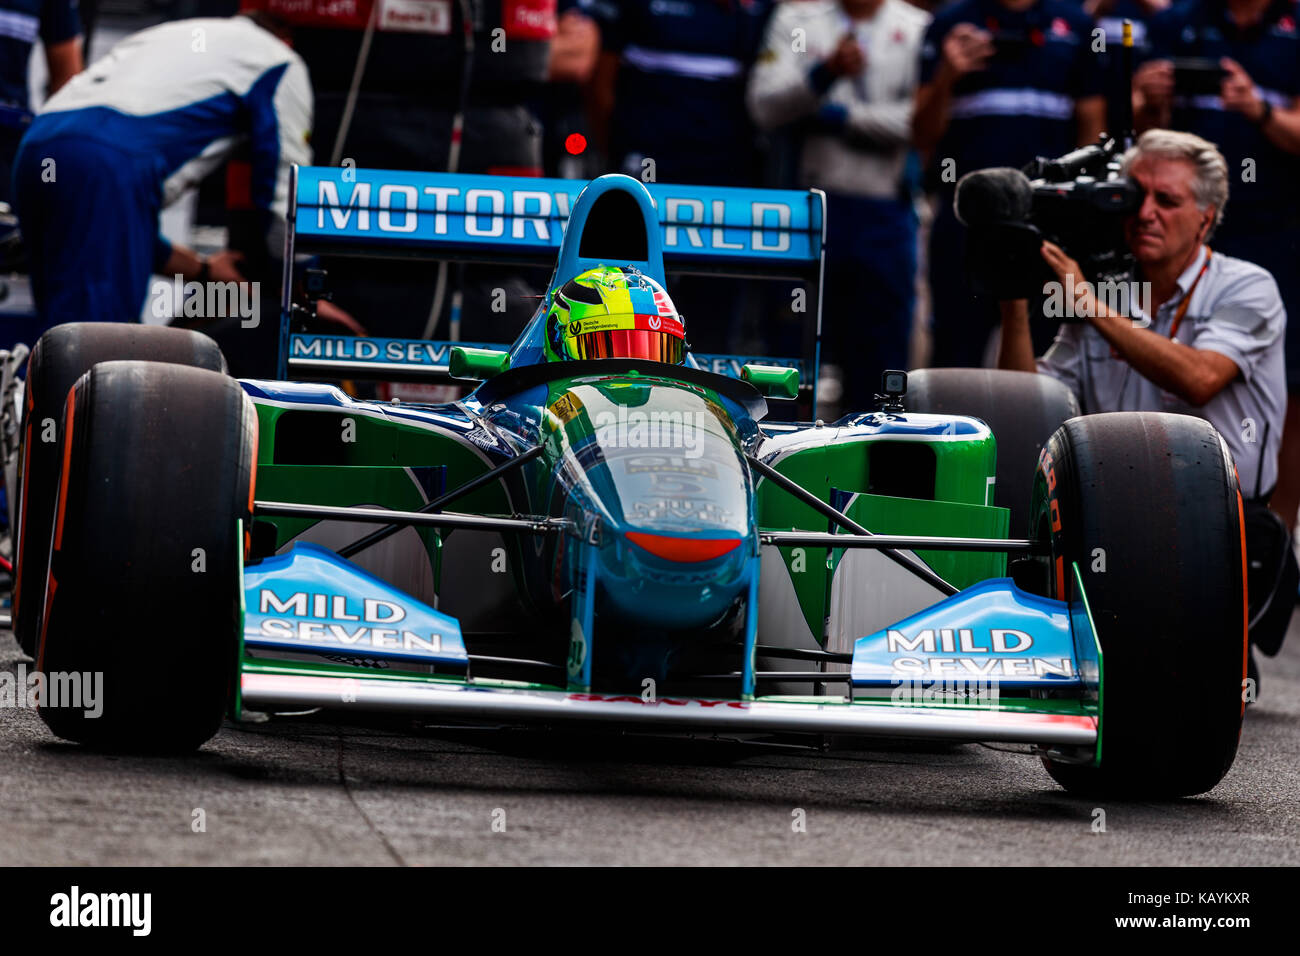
(1001, 257)
(988, 197)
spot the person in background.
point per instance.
(670, 88)
(22, 23)
(668, 106)
(1255, 120)
(846, 71)
(1002, 81)
(563, 104)
(1110, 16)
(133, 133)
(408, 86)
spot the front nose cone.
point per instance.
(676, 581)
(683, 550)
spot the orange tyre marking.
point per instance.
(70, 407)
(1245, 600)
(51, 585)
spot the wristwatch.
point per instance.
(1265, 116)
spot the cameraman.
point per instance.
(1211, 344)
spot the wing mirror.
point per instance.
(772, 381)
(478, 365)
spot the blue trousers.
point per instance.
(89, 215)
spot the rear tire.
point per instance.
(144, 570)
(1022, 409)
(60, 357)
(1147, 505)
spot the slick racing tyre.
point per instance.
(1147, 504)
(1023, 409)
(144, 576)
(61, 356)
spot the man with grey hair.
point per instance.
(1203, 335)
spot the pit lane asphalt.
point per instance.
(306, 791)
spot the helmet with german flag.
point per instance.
(613, 312)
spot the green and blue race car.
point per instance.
(608, 532)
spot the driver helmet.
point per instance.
(614, 312)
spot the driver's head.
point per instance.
(612, 312)
(1184, 180)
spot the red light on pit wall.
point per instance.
(575, 143)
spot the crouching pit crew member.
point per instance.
(1204, 338)
(130, 135)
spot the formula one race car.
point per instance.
(604, 531)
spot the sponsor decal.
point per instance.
(679, 578)
(461, 209)
(336, 620)
(1008, 667)
(347, 14)
(398, 16)
(415, 16)
(343, 348)
(435, 354)
(486, 441)
(955, 650)
(686, 509)
(669, 463)
(529, 19)
(730, 365)
(577, 649)
(660, 323)
(948, 640)
(566, 408)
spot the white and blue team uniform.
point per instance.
(135, 131)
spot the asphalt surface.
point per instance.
(302, 790)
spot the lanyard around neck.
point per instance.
(1187, 299)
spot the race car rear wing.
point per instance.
(706, 230)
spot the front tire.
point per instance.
(144, 568)
(1147, 504)
(60, 357)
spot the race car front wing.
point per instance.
(269, 688)
(990, 663)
